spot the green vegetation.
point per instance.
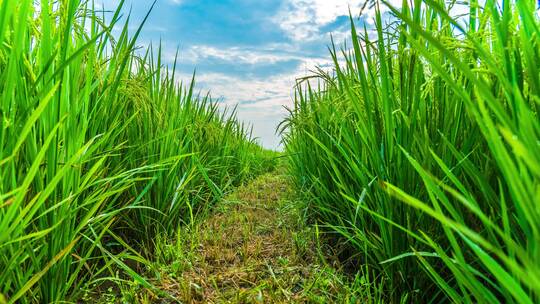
(422, 150)
(253, 247)
(101, 151)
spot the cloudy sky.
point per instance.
(247, 52)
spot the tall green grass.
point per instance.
(100, 149)
(422, 150)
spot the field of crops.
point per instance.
(417, 156)
(422, 150)
(100, 150)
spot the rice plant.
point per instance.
(421, 149)
(101, 149)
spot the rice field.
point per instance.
(421, 149)
(101, 150)
(417, 157)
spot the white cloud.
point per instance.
(261, 101)
(302, 20)
(240, 55)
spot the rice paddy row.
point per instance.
(421, 149)
(101, 150)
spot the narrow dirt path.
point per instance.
(253, 248)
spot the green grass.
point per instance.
(421, 149)
(252, 247)
(101, 150)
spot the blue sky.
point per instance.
(247, 52)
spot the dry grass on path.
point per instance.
(254, 248)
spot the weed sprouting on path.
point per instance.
(252, 247)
